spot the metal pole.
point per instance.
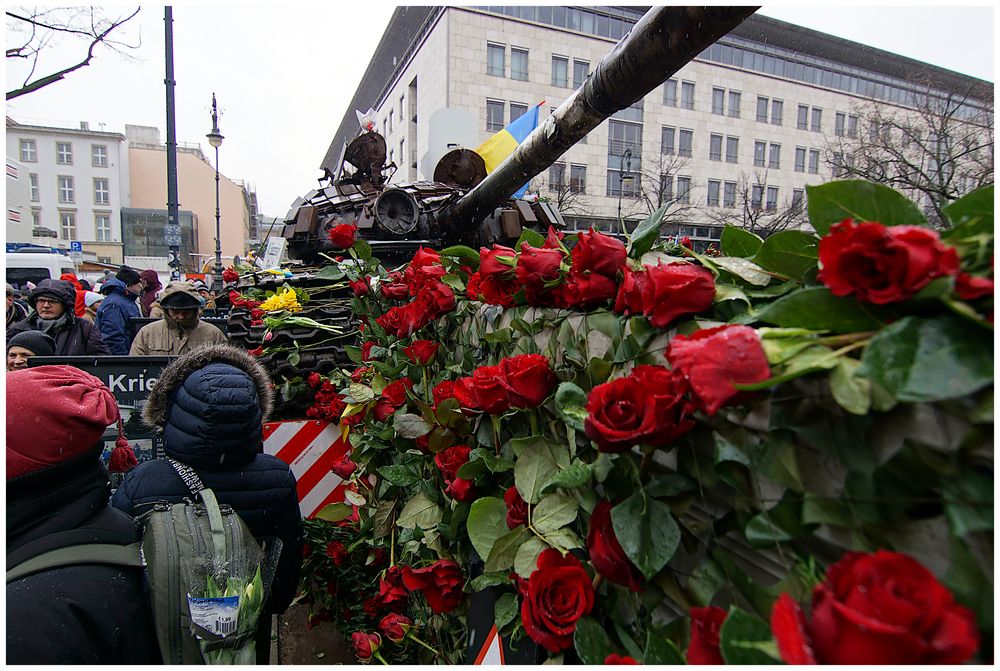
(173, 229)
(215, 138)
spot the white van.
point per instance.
(35, 266)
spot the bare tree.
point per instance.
(660, 186)
(751, 209)
(934, 152)
(31, 30)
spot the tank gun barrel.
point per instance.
(660, 44)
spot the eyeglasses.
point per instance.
(47, 301)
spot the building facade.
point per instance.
(734, 136)
(78, 183)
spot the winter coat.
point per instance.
(76, 337)
(211, 404)
(148, 294)
(16, 313)
(80, 304)
(81, 614)
(90, 315)
(155, 311)
(164, 338)
(113, 316)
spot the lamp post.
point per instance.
(215, 139)
(624, 167)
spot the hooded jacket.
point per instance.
(113, 316)
(148, 294)
(210, 405)
(165, 338)
(79, 305)
(74, 337)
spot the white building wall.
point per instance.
(18, 202)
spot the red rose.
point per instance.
(391, 590)
(474, 287)
(970, 287)
(365, 645)
(528, 379)
(714, 359)
(648, 406)
(314, 380)
(392, 398)
(360, 287)
(442, 391)
(490, 266)
(372, 607)
(616, 659)
(606, 552)
(706, 623)
(664, 292)
(395, 627)
(336, 551)
(535, 267)
(437, 298)
(554, 238)
(598, 253)
(484, 390)
(344, 467)
(584, 290)
(559, 593)
(880, 264)
(359, 373)
(257, 351)
(517, 508)
(881, 608)
(421, 352)
(306, 550)
(450, 460)
(422, 277)
(500, 292)
(462, 490)
(394, 290)
(342, 235)
(230, 275)
(441, 584)
(389, 321)
(366, 349)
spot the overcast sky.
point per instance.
(284, 75)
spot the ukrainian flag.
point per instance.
(495, 150)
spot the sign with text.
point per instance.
(273, 253)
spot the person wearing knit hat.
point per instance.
(57, 493)
(118, 307)
(93, 301)
(54, 301)
(181, 329)
(26, 345)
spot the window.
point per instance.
(29, 151)
(36, 217)
(517, 110)
(817, 119)
(800, 159)
(627, 186)
(578, 179)
(495, 55)
(687, 95)
(66, 193)
(718, 101)
(715, 147)
(729, 194)
(99, 155)
(519, 64)
(402, 113)
(798, 195)
(803, 121)
(852, 125)
(494, 115)
(102, 224)
(713, 192)
(772, 199)
(756, 196)
(580, 71)
(814, 161)
(622, 136)
(839, 124)
(33, 181)
(67, 221)
(557, 175)
(686, 141)
(392, 157)
(560, 67)
(64, 153)
(101, 194)
(732, 149)
(777, 108)
(402, 152)
(734, 104)
(684, 190)
(759, 150)
(670, 93)
(667, 140)
(666, 188)
(774, 158)
(762, 104)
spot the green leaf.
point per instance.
(330, 272)
(400, 476)
(564, 539)
(591, 641)
(666, 486)
(553, 512)
(411, 426)
(705, 581)
(736, 241)
(971, 215)
(661, 650)
(646, 531)
(729, 292)
(860, 200)
(745, 639)
(852, 393)
(471, 469)
(467, 255)
(487, 521)
(933, 359)
(968, 502)
(420, 512)
(571, 403)
(817, 308)
(293, 358)
(534, 467)
(360, 393)
(533, 238)
(353, 353)
(526, 558)
(789, 253)
(335, 512)
(577, 475)
(645, 234)
(505, 548)
(487, 580)
(504, 610)
(744, 269)
(362, 249)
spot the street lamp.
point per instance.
(215, 139)
(624, 168)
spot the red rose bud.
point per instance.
(257, 351)
(359, 373)
(440, 583)
(395, 627)
(685, 242)
(314, 380)
(336, 551)
(365, 645)
(360, 287)
(598, 253)
(881, 608)
(490, 265)
(391, 590)
(517, 508)
(473, 288)
(706, 623)
(462, 490)
(394, 288)
(606, 553)
(665, 292)
(558, 594)
(230, 275)
(421, 352)
(616, 659)
(535, 267)
(342, 235)
(714, 359)
(372, 607)
(484, 390)
(393, 397)
(969, 287)
(585, 290)
(554, 238)
(344, 467)
(528, 379)
(366, 350)
(442, 391)
(450, 460)
(882, 264)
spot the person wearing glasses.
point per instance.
(54, 302)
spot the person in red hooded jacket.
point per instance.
(80, 307)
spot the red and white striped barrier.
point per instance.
(309, 448)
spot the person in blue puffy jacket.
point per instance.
(112, 317)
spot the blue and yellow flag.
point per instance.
(496, 149)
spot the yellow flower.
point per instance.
(284, 300)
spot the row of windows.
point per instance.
(64, 153)
(719, 102)
(495, 113)
(496, 66)
(612, 22)
(67, 224)
(577, 178)
(66, 188)
(389, 121)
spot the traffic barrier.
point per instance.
(309, 448)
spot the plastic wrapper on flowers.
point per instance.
(648, 455)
